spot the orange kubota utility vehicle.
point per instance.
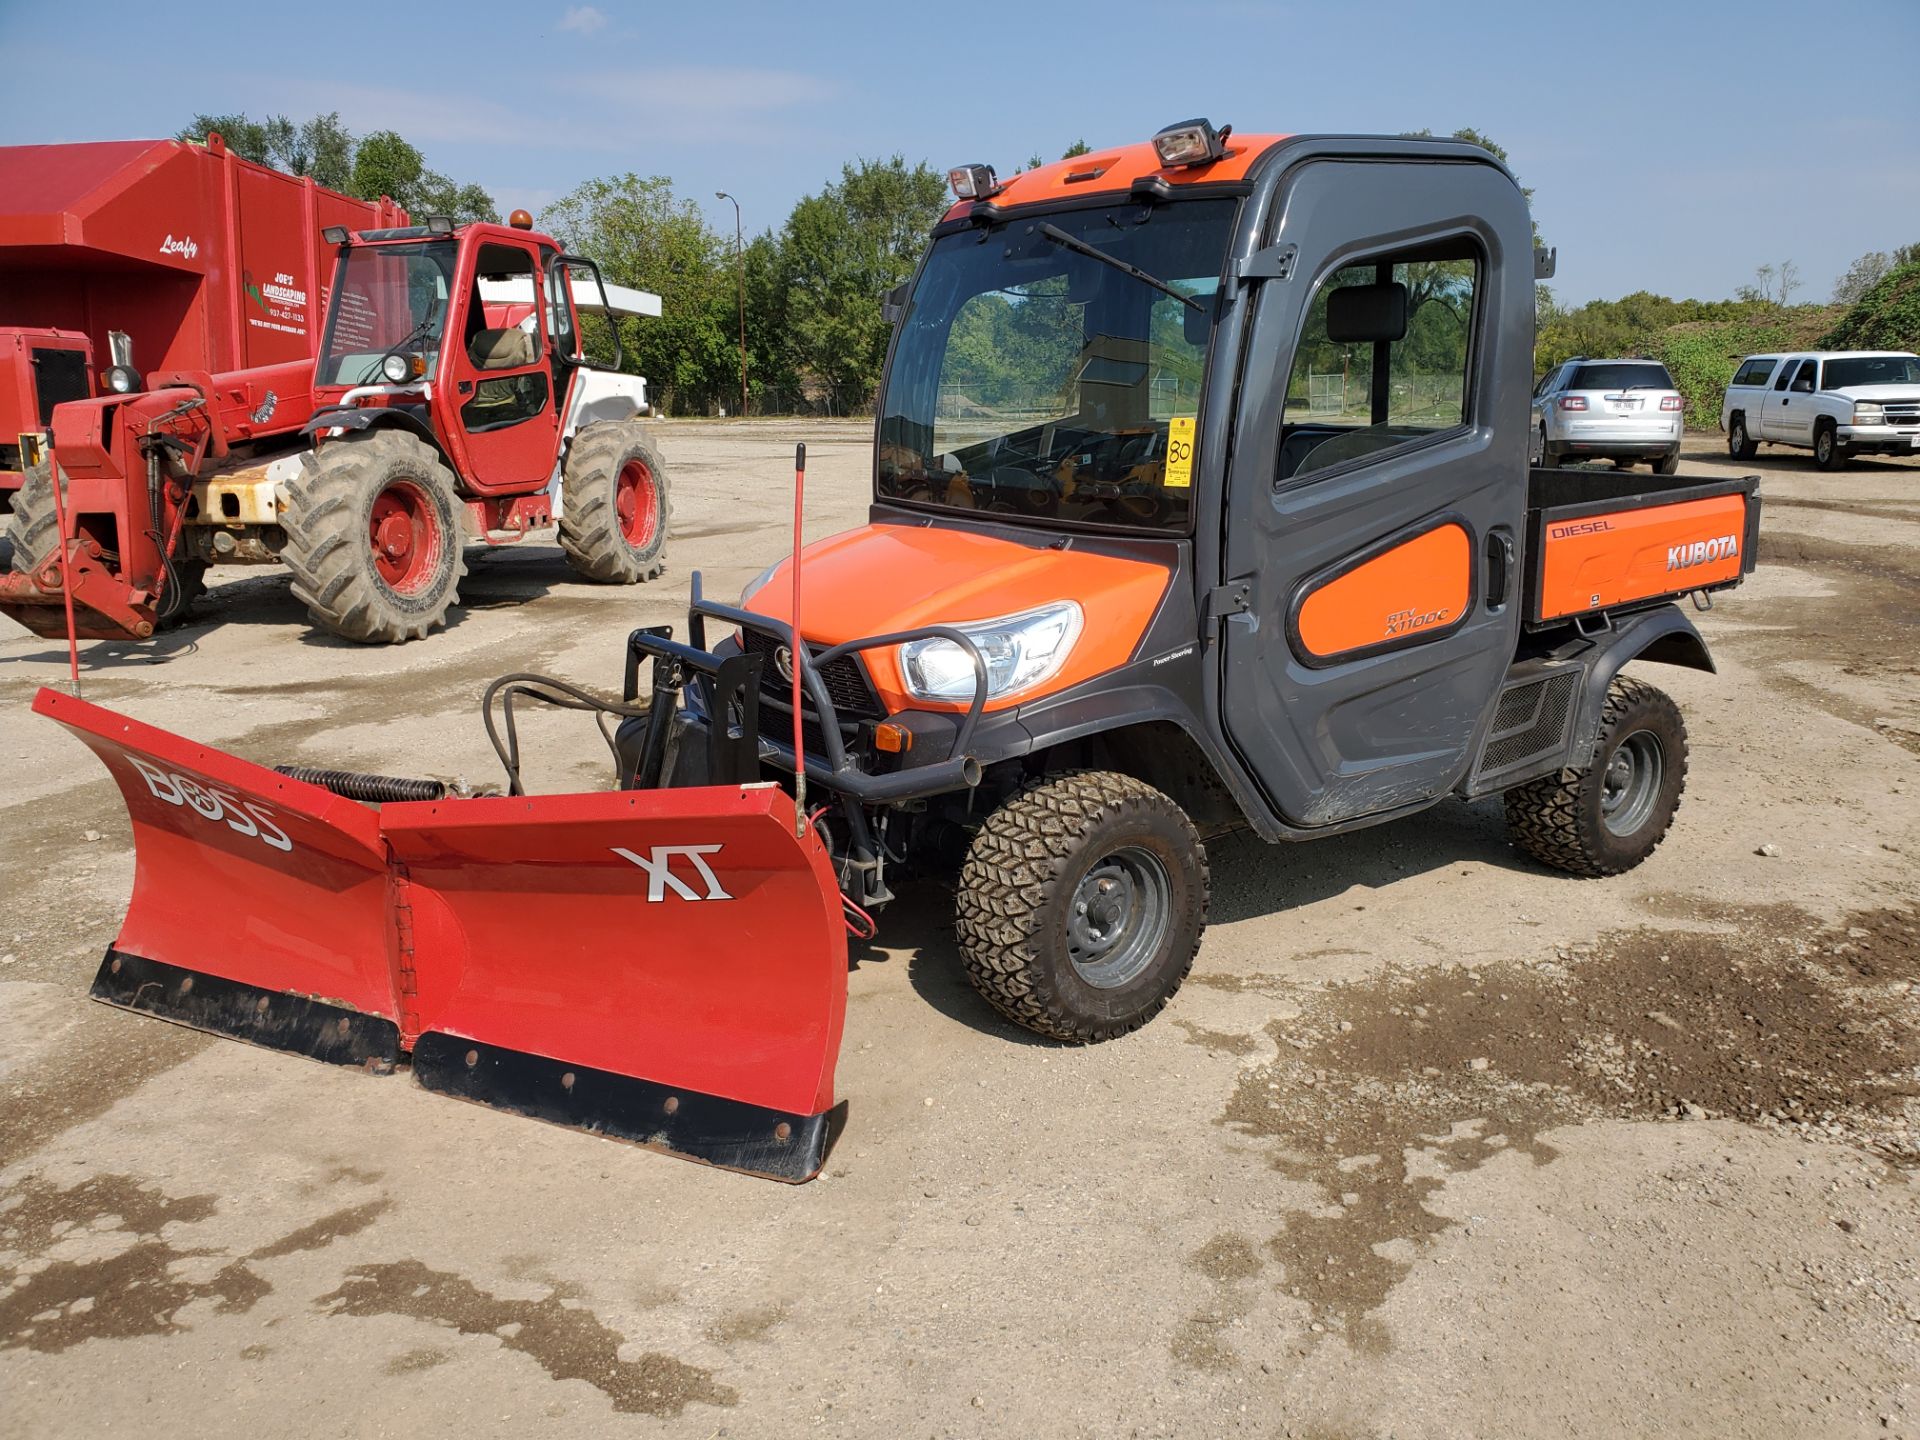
(1201, 500)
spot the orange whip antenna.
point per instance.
(799, 741)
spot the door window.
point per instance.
(1383, 360)
(503, 342)
(1785, 375)
(1803, 382)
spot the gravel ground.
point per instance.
(1434, 1143)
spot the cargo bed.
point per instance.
(1600, 542)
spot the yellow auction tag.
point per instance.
(1179, 474)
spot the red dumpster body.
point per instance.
(212, 267)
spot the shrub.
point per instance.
(1887, 317)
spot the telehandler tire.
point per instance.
(33, 533)
(1081, 904)
(614, 505)
(374, 539)
(1608, 815)
(34, 526)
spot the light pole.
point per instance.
(740, 259)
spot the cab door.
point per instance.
(1778, 422)
(500, 379)
(1377, 487)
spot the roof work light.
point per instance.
(972, 182)
(1191, 142)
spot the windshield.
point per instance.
(1872, 370)
(386, 299)
(1034, 379)
(1621, 377)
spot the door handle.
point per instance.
(1500, 568)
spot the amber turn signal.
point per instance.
(892, 738)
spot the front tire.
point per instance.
(1608, 815)
(34, 532)
(1081, 905)
(373, 538)
(614, 505)
(1828, 452)
(1740, 445)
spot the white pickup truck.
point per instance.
(1836, 403)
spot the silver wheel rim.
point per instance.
(1118, 916)
(1739, 435)
(1630, 785)
(1823, 446)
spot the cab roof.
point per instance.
(1101, 172)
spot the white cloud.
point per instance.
(582, 19)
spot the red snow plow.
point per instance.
(667, 967)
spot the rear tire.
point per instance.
(1611, 813)
(1828, 452)
(373, 538)
(33, 530)
(1081, 905)
(1740, 445)
(615, 508)
(1668, 464)
(1624, 463)
(1548, 460)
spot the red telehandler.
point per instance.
(1126, 584)
(451, 401)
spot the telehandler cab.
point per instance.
(1201, 500)
(452, 402)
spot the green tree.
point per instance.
(1076, 149)
(642, 234)
(383, 163)
(321, 147)
(842, 250)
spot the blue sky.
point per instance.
(1671, 147)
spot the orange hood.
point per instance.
(883, 578)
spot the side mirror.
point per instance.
(1367, 314)
(893, 304)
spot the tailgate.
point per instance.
(1597, 542)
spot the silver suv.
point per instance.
(1618, 410)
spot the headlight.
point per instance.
(1019, 650)
(1867, 413)
(758, 583)
(122, 379)
(397, 368)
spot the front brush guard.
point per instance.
(667, 967)
(732, 683)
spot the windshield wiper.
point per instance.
(1093, 252)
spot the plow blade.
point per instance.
(664, 967)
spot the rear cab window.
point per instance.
(1754, 372)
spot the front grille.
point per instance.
(1901, 412)
(845, 680)
(1530, 721)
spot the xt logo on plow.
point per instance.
(658, 863)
